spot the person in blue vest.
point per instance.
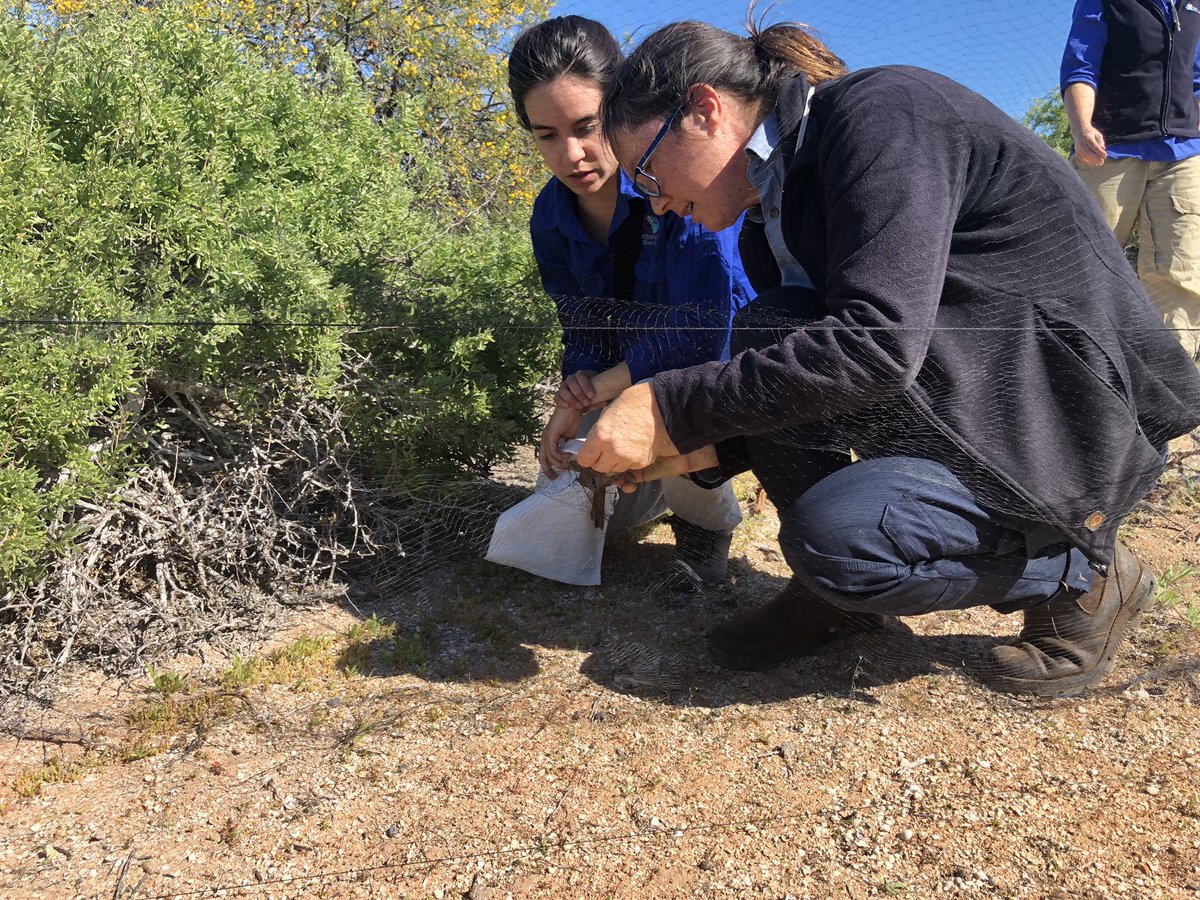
(637, 293)
(974, 333)
(1130, 80)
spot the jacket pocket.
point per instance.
(1086, 353)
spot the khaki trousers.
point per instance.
(1163, 199)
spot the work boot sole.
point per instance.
(1126, 618)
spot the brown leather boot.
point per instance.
(1069, 643)
(796, 623)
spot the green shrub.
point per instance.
(1047, 118)
(156, 172)
(491, 344)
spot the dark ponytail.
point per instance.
(660, 73)
(567, 45)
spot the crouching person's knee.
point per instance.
(844, 560)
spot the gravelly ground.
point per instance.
(559, 742)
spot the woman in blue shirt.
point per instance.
(637, 294)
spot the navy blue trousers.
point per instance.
(903, 536)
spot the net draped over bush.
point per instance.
(260, 226)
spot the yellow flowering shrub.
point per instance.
(440, 61)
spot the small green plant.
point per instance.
(1191, 806)
(165, 683)
(160, 719)
(1168, 581)
(301, 651)
(230, 834)
(1172, 599)
(893, 887)
(371, 629)
(318, 715)
(361, 642)
(408, 651)
(360, 729)
(138, 750)
(300, 663)
(55, 771)
(241, 673)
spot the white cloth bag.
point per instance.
(550, 533)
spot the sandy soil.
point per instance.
(499, 736)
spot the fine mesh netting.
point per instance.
(224, 396)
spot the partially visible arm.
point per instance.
(668, 466)
(586, 390)
(1079, 78)
(1080, 101)
(586, 347)
(610, 382)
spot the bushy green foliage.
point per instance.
(1047, 117)
(154, 171)
(489, 347)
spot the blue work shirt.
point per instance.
(1081, 64)
(688, 284)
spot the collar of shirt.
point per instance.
(762, 151)
(767, 170)
(565, 209)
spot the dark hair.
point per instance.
(661, 72)
(567, 45)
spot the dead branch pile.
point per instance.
(222, 529)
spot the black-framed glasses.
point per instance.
(646, 183)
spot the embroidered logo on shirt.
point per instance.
(650, 231)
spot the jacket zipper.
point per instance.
(1166, 98)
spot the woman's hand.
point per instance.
(563, 425)
(576, 392)
(630, 434)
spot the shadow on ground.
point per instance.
(461, 619)
(474, 621)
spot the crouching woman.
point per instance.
(974, 333)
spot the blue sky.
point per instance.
(1008, 50)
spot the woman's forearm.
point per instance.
(609, 383)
